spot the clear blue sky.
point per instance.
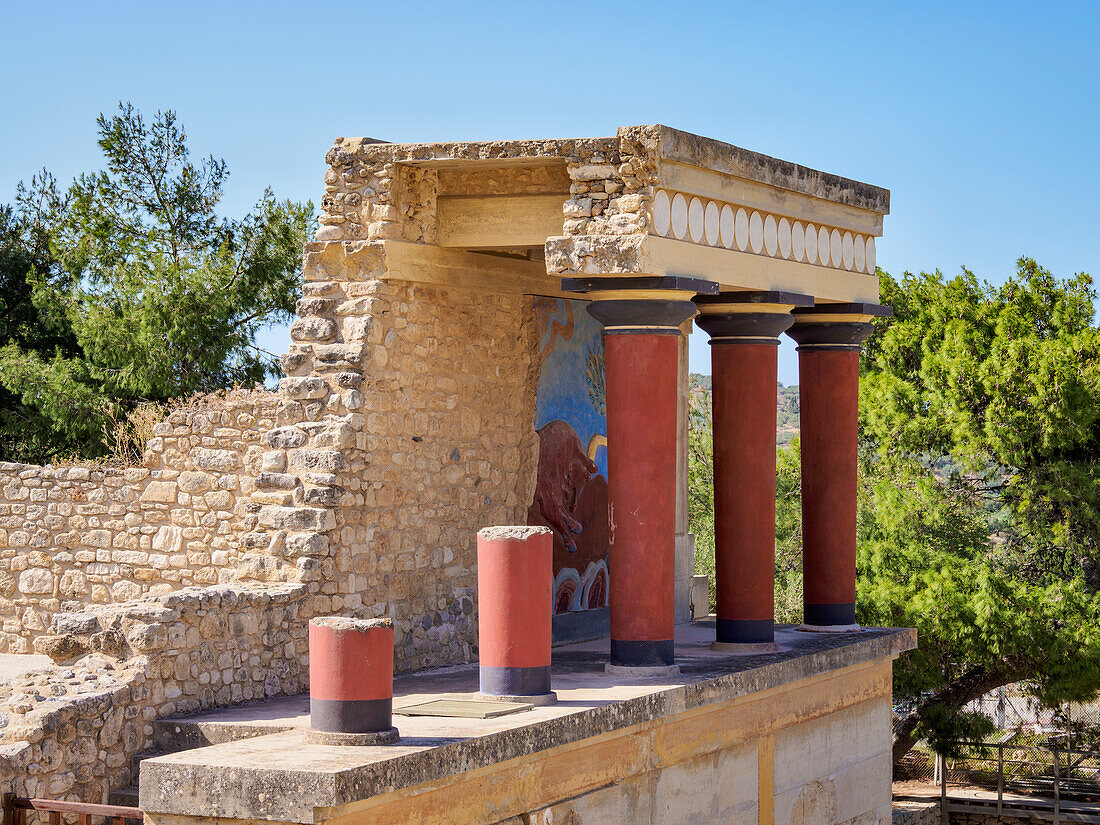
(981, 118)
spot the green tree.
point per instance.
(153, 294)
(978, 525)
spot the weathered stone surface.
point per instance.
(693, 741)
(313, 329)
(36, 580)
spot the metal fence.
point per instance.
(1028, 735)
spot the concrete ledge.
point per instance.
(280, 777)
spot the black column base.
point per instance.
(350, 715)
(515, 681)
(744, 631)
(824, 615)
(642, 654)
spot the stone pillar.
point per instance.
(641, 317)
(828, 338)
(744, 329)
(351, 681)
(515, 600)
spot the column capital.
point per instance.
(634, 305)
(748, 317)
(835, 326)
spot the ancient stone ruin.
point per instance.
(490, 333)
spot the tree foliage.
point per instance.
(980, 455)
(149, 293)
(980, 410)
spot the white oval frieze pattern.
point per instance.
(713, 223)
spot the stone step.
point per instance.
(230, 724)
(124, 796)
(137, 758)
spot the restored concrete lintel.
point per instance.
(427, 264)
(280, 778)
(730, 269)
(708, 153)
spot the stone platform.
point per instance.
(616, 730)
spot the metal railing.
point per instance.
(16, 809)
(1066, 778)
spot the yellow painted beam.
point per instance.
(765, 752)
(498, 221)
(423, 263)
(743, 270)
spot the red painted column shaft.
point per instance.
(351, 675)
(828, 397)
(515, 583)
(744, 408)
(641, 386)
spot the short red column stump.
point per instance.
(515, 583)
(351, 681)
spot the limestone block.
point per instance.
(36, 580)
(147, 637)
(357, 328)
(325, 461)
(73, 583)
(297, 518)
(191, 482)
(339, 355)
(285, 437)
(338, 435)
(590, 172)
(220, 461)
(124, 591)
(313, 329)
(322, 496)
(314, 306)
(301, 389)
(277, 481)
(160, 491)
(100, 538)
(168, 539)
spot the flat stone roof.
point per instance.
(276, 775)
(667, 144)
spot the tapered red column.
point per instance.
(641, 362)
(829, 337)
(744, 329)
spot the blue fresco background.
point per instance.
(563, 389)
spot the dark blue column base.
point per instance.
(824, 615)
(642, 654)
(745, 631)
(350, 715)
(515, 681)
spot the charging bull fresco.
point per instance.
(571, 421)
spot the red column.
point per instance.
(515, 582)
(829, 337)
(828, 391)
(744, 329)
(641, 317)
(351, 681)
(641, 372)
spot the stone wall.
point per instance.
(404, 425)
(82, 535)
(69, 731)
(957, 818)
(916, 813)
(420, 407)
